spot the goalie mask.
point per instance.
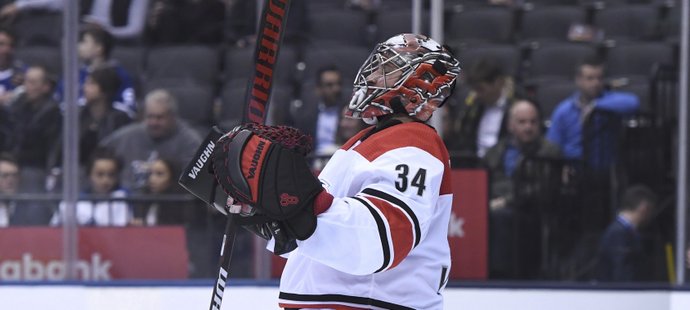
(407, 73)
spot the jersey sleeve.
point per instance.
(375, 229)
(619, 102)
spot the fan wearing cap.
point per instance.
(371, 231)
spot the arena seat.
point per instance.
(338, 26)
(630, 22)
(390, 23)
(508, 55)
(548, 94)
(557, 60)
(316, 6)
(637, 59)
(47, 56)
(347, 58)
(38, 28)
(554, 2)
(232, 100)
(239, 63)
(195, 62)
(549, 23)
(480, 25)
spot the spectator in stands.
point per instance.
(13, 212)
(573, 113)
(161, 133)
(98, 118)
(37, 127)
(9, 185)
(95, 47)
(5, 129)
(11, 70)
(347, 128)
(585, 126)
(514, 218)
(11, 9)
(103, 171)
(162, 180)
(621, 256)
(125, 20)
(185, 22)
(320, 118)
(525, 140)
(481, 122)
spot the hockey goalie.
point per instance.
(370, 231)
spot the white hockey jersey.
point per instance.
(383, 242)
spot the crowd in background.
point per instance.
(569, 199)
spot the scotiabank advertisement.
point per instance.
(151, 253)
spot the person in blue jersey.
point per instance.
(570, 119)
(98, 118)
(95, 47)
(11, 70)
(586, 127)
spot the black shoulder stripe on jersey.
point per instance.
(325, 298)
(382, 233)
(392, 199)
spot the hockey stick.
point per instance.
(269, 37)
(197, 178)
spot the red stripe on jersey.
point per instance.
(446, 182)
(355, 138)
(400, 227)
(412, 134)
(319, 306)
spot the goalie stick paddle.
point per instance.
(268, 41)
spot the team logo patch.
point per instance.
(288, 200)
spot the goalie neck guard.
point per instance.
(407, 73)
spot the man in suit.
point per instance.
(320, 117)
(621, 257)
(481, 120)
(515, 200)
(13, 212)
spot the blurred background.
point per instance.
(563, 132)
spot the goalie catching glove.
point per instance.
(265, 167)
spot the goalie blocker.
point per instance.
(198, 179)
(263, 167)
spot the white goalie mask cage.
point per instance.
(408, 71)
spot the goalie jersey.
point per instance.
(383, 242)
